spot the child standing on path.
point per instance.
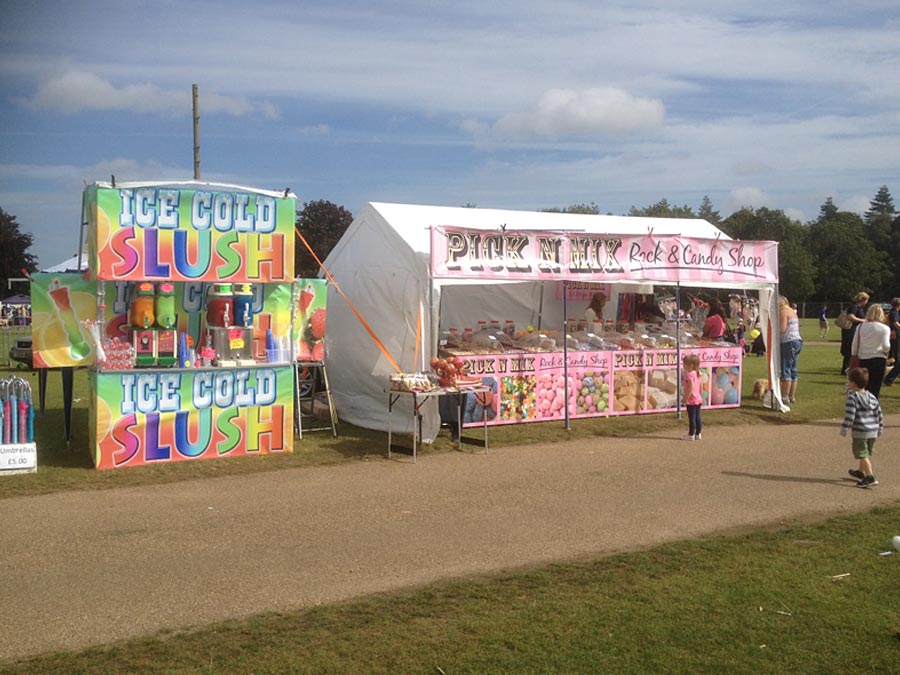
(862, 413)
(691, 396)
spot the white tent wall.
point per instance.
(382, 263)
(387, 282)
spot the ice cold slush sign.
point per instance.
(166, 416)
(458, 252)
(153, 233)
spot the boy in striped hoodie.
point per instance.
(862, 413)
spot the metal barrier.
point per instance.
(8, 335)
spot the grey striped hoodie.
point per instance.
(862, 413)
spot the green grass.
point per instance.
(764, 602)
(820, 396)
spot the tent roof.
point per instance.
(413, 222)
(17, 299)
(70, 265)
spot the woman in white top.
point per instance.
(791, 345)
(872, 344)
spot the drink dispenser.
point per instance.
(243, 305)
(165, 305)
(141, 311)
(219, 306)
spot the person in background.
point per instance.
(691, 396)
(894, 325)
(857, 314)
(862, 414)
(791, 344)
(715, 326)
(893, 322)
(871, 344)
(594, 311)
(740, 335)
(823, 322)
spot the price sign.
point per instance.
(236, 339)
(18, 458)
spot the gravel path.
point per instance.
(87, 568)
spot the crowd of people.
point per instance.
(15, 315)
(870, 341)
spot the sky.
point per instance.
(525, 104)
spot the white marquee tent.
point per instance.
(69, 265)
(382, 263)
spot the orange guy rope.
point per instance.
(350, 304)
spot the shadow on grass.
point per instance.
(790, 479)
(50, 437)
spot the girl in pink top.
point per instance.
(691, 396)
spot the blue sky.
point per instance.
(522, 105)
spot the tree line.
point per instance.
(830, 258)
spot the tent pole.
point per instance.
(566, 354)
(540, 316)
(81, 227)
(678, 346)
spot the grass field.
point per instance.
(770, 601)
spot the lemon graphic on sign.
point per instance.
(102, 228)
(51, 341)
(104, 419)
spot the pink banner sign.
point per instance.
(534, 387)
(541, 255)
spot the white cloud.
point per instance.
(78, 90)
(750, 197)
(602, 111)
(313, 131)
(795, 214)
(855, 204)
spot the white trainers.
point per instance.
(698, 437)
(687, 437)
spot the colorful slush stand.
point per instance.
(78, 348)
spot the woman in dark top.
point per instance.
(857, 314)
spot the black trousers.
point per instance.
(876, 368)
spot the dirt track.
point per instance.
(88, 568)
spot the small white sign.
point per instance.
(18, 458)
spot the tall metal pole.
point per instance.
(196, 97)
(678, 347)
(565, 334)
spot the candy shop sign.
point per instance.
(153, 233)
(459, 252)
